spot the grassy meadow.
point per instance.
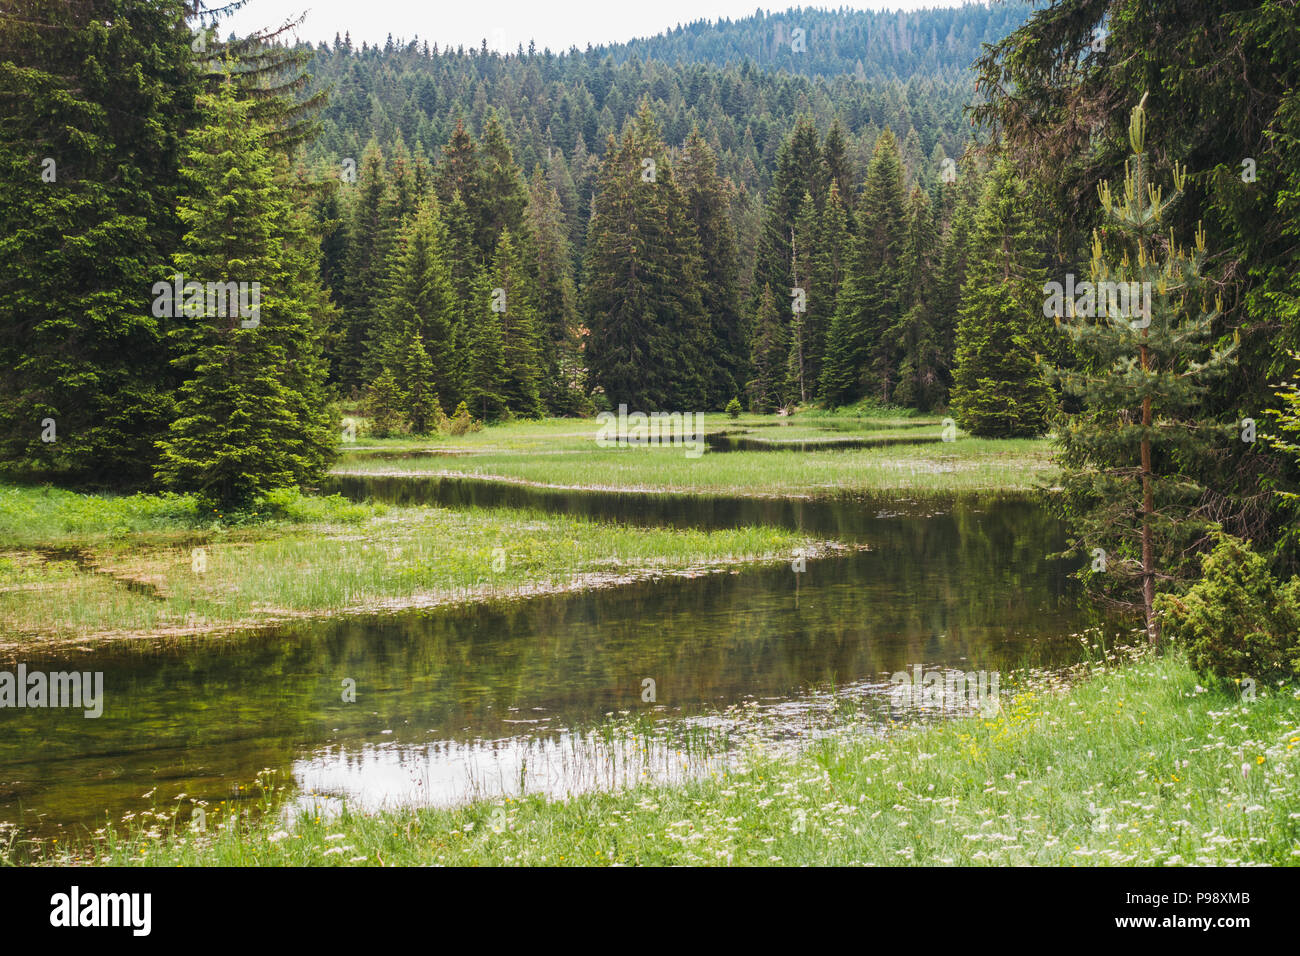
(965, 466)
(563, 453)
(1125, 761)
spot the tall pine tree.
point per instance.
(96, 98)
(860, 355)
(1133, 454)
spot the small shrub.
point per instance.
(733, 408)
(463, 421)
(291, 505)
(1238, 620)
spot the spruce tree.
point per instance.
(418, 297)
(467, 295)
(252, 414)
(504, 191)
(1132, 455)
(799, 170)
(641, 298)
(708, 201)
(999, 390)
(859, 351)
(384, 405)
(826, 239)
(951, 271)
(419, 387)
(771, 349)
(556, 300)
(838, 166)
(95, 103)
(513, 301)
(403, 194)
(920, 369)
(370, 241)
(485, 371)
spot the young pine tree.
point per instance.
(384, 405)
(1131, 455)
(252, 413)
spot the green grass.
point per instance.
(578, 434)
(44, 516)
(965, 466)
(129, 567)
(1137, 765)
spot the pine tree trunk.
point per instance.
(1148, 508)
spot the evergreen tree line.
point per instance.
(454, 284)
(137, 149)
(852, 293)
(571, 104)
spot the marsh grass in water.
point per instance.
(310, 556)
(942, 468)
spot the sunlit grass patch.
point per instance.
(334, 557)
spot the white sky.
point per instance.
(507, 23)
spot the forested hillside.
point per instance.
(761, 154)
(867, 44)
